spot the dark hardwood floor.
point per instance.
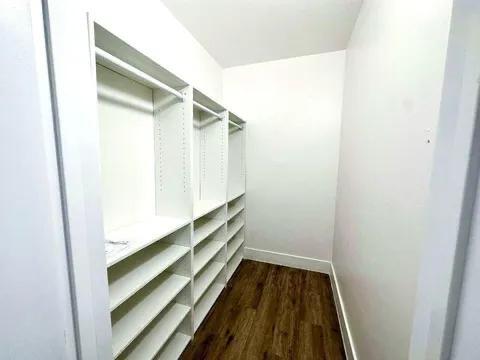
(271, 312)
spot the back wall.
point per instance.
(293, 109)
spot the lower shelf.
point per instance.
(232, 265)
(153, 338)
(204, 253)
(131, 318)
(205, 278)
(206, 303)
(174, 347)
(233, 246)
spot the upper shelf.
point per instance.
(235, 195)
(206, 101)
(236, 119)
(203, 207)
(115, 46)
(130, 239)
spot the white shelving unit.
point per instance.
(132, 317)
(235, 207)
(207, 225)
(205, 253)
(234, 225)
(134, 273)
(202, 207)
(236, 157)
(173, 197)
(233, 245)
(130, 239)
(206, 302)
(149, 343)
(205, 278)
(174, 348)
(234, 263)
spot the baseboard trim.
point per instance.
(342, 317)
(298, 262)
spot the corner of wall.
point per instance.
(342, 317)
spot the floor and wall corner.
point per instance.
(293, 180)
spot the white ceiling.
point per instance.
(238, 32)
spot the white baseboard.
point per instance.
(294, 261)
(342, 317)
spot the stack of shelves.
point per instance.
(173, 196)
(209, 180)
(235, 193)
(149, 292)
(235, 234)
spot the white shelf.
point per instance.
(205, 278)
(174, 347)
(205, 228)
(233, 228)
(232, 265)
(235, 210)
(128, 322)
(140, 235)
(206, 303)
(203, 207)
(131, 277)
(235, 195)
(151, 341)
(233, 246)
(205, 254)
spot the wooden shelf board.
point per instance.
(133, 316)
(206, 228)
(205, 254)
(206, 278)
(174, 347)
(203, 207)
(140, 235)
(144, 269)
(233, 246)
(153, 338)
(205, 304)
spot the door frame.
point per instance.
(452, 191)
(69, 39)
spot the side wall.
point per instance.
(151, 28)
(35, 307)
(393, 83)
(293, 109)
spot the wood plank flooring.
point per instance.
(271, 312)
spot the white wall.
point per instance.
(150, 27)
(293, 109)
(393, 83)
(35, 309)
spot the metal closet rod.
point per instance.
(206, 109)
(109, 58)
(235, 124)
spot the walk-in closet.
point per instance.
(239, 180)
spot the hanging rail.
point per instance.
(235, 124)
(204, 108)
(109, 58)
